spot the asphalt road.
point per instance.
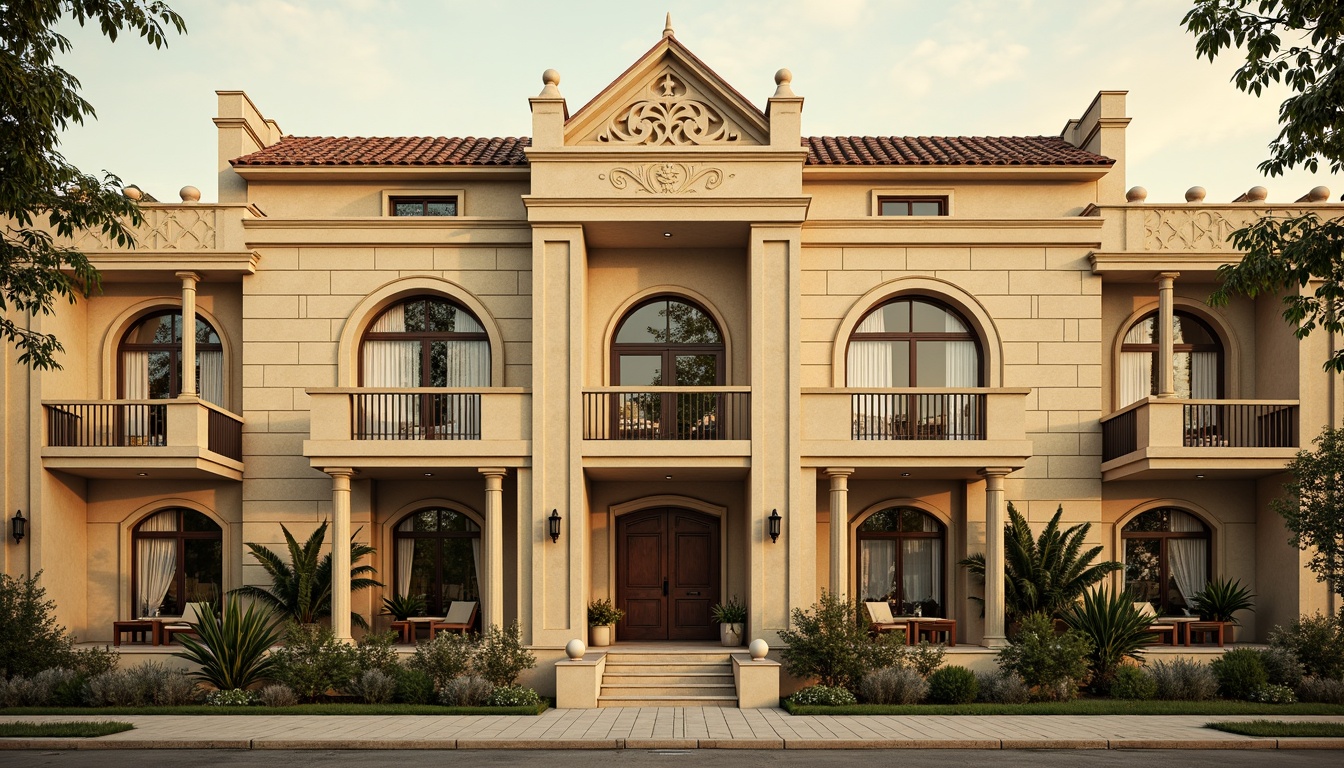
(636, 757)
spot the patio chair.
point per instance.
(183, 625)
(1155, 625)
(881, 620)
(461, 616)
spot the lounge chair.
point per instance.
(1155, 625)
(183, 624)
(881, 620)
(461, 616)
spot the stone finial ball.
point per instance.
(1136, 194)
(190, 194)
(575, 649)
(132, 193)
(1195, 195)
(783, 77)
(758, 649)
(550, 77)
(1318, 194)
(1256, 194)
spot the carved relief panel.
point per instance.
(668, 109)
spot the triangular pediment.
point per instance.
(668, 98)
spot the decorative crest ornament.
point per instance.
(665, 178)
(668, 115)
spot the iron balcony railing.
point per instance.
(109, 424)
(1203, 424)
(1120, 435)
(667, 413)
(917, 416)
(415, 416)
(224, 435)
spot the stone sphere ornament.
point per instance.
(758, 649)
(1136, 195)
(1195, 195)
(190, 194)
(575, 649)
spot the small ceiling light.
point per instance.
(667, 234)
(554, 522)
(429, 474)
(143, 474)
(774, 521)
(667, 477)
(905, 474)
(1199, 477)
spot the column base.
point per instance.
(994, 642)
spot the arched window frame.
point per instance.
(436, 604)
(1206, 533)
(174, 349)
(914, 337)
(1154, 348)
(425, 338)
(180, 536)
(940, 533)
(667, 350)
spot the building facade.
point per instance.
(669, 351)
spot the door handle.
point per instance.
(690, 594)
(664, 587)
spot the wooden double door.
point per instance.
(667, 574)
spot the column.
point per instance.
(995, 636)
(340, 552)
(1166, 377)
(189, 280)
(839, 530)
(492, 602)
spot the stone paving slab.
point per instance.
(669, 728)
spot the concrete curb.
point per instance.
(12, 744)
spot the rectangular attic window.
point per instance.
(423, 206)
(912, 206)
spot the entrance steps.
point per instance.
(668, 678)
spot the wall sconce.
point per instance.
(20, 526)
(774, 525)
(554, 521)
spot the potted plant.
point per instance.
(602, 618)
(403, 607)
(732, 619)
(1220, 599)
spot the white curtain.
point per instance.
(877, 568)
(211, 384)
(468, 363)
(476, 562)
(869, 362)
(921, 563)
(135, 386)
(391, 364)
(1136, 376)
(962, 370)
(405, 565)
(156, 560)
(1189, 557)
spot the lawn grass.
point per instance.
(298, 709)
(61, 730)
(1279, 728)
(1078, 707)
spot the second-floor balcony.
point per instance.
(1177, 438)
(157, 439)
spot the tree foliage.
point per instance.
(44, 200)
(1299, 44)
(1313, 507)
(301, 588)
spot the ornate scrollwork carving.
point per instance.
(1176, 229)
(665, 178)
(669, 116)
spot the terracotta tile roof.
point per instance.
(947, 150)
(821, 150)
(409, 150)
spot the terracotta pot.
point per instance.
(599, 636)
(730, 635)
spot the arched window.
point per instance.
(424, 341)
(901, 560)
(1167, 558)
(668, 342)
(1197, 359)
(151, 359)
(438, 557)
(178, 559)
(913, 342)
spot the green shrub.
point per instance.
(1115, 629)
(373, 686)
(1132, 682)
(501, 657)
(278, 695)
(377, 650)
(923, 658)
(92, 661)
(176, 688)
(602, 613)
(1001, 687)
(1048, 663)
(117, 688)
(1272, 694)
(232, 650)
(893, 685)
(953, 685)
(468, 691)
(1239, 673)
(1321, 690)
(1183, 680)
(49, 688)
(313, 662)
(1318, 642)
(823, 696)
(446, 657)
(413, 686)
(830, 643)
(233, 697)
(513, 696)
(1220, 599)
(1282, 666)
(30, 638)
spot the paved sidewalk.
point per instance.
(669, 728)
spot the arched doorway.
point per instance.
(667, 574)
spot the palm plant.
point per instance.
(301, 588)
(1221, 598)
(231, 651)
(1044, 574)
(1115, 627)
(402, 607)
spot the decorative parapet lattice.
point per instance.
(1198, 229)
(166, 228)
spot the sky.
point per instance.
(874, 67)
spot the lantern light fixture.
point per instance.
(19, 526)
(774, 520)
(554, 522)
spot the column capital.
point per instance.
(191, 277)
(494, 471)
(1165, 279)
(996, 471)
(339, 471)
(839, 471)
